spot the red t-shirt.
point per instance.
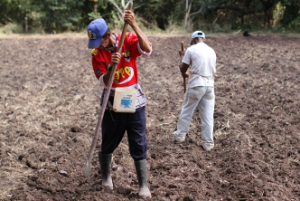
(126, 73)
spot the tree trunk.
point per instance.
(265, 18)
(26, 25)
(187, 14)
(188, 10)
(242, 19)
(95, 8)
(269, 17)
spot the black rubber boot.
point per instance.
(105, 164)
(141, 170)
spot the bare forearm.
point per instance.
(181, 65)
(183, 68)
(106, 77)
(143, 40)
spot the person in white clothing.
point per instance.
(201, 59)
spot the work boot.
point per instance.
(105, 164)
(141, 171)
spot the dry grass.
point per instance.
(163, 34)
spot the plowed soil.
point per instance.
(49, 105)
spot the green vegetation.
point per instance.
(56, 16)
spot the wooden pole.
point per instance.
(184, 78)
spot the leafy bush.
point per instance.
(295, 24)
(59, 15)
(170, 15)
(11, 28)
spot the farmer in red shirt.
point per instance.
(115, 124)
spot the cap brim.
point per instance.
(94, 43)
(198, 37)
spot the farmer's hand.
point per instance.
(129, 17)
(115, 58)
(185, 75)
(181, 53)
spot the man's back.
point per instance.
(202, 59)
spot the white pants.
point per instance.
(204, 98)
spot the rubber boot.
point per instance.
(105, 164)
(141, 170)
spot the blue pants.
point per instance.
(114, 126)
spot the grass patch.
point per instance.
(11, 28)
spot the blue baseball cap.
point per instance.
(198, 34)
(96, 29)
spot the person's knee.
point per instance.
(107, 151)
(140, 154)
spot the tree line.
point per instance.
(215, 15)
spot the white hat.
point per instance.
(198, 34)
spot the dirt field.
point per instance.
(49, 104)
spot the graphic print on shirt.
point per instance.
(127, 55)
(94, 52)
(124, 75)
(98, 72)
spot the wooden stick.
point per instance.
(105, 100)
(184, 78)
